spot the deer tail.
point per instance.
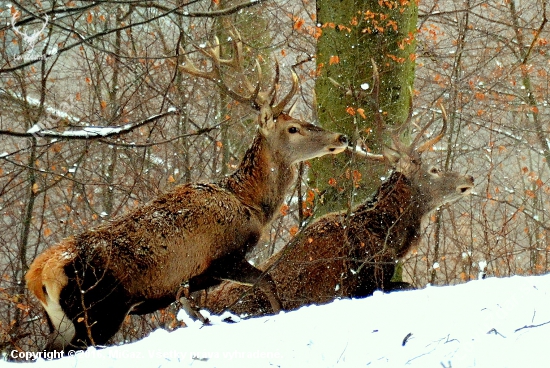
(46, 276)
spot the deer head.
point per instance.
(433, 186)
(293, 139)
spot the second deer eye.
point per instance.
(293, 130)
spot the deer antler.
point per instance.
(279, 108)
(360, 151)
(255, 97)
(430, 143)
(398, 146)
(212, 52)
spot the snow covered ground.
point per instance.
(487, 323)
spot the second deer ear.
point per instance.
(266, 120)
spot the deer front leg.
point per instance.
(246, 274)
(234, 267)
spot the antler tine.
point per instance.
(360, 151)
(407, 123)
(396, 136)
(255, 99)
(379, 123)
(212, 52)
(278, 109)
(236, 62)
(430, 143)
(273, 91)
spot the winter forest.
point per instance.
(98, 116)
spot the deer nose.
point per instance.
(343, 139)
(464, 189)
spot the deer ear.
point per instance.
(267, 123)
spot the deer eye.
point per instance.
(293, 130)
(434, 170)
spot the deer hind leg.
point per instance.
(398, 286)
(101, 323)
(371, 278)
(96, 304)
(236, 268)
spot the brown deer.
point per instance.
(191, 237)
(353, 254)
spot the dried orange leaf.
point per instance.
(298, 23)
(284, 209)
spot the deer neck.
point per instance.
(262, 179)
(397, 209)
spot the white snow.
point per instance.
(35, 128)
(484, 323)
(91, 131)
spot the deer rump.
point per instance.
(128, 265)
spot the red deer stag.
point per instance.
(191, 237)
(353, 254)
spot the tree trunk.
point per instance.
(357, 34)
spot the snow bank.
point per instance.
(486, 323)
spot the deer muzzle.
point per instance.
(342, 144)
(466, 189)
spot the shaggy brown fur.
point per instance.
(351, 256)
(196, 234)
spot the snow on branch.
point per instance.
(89, 132)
